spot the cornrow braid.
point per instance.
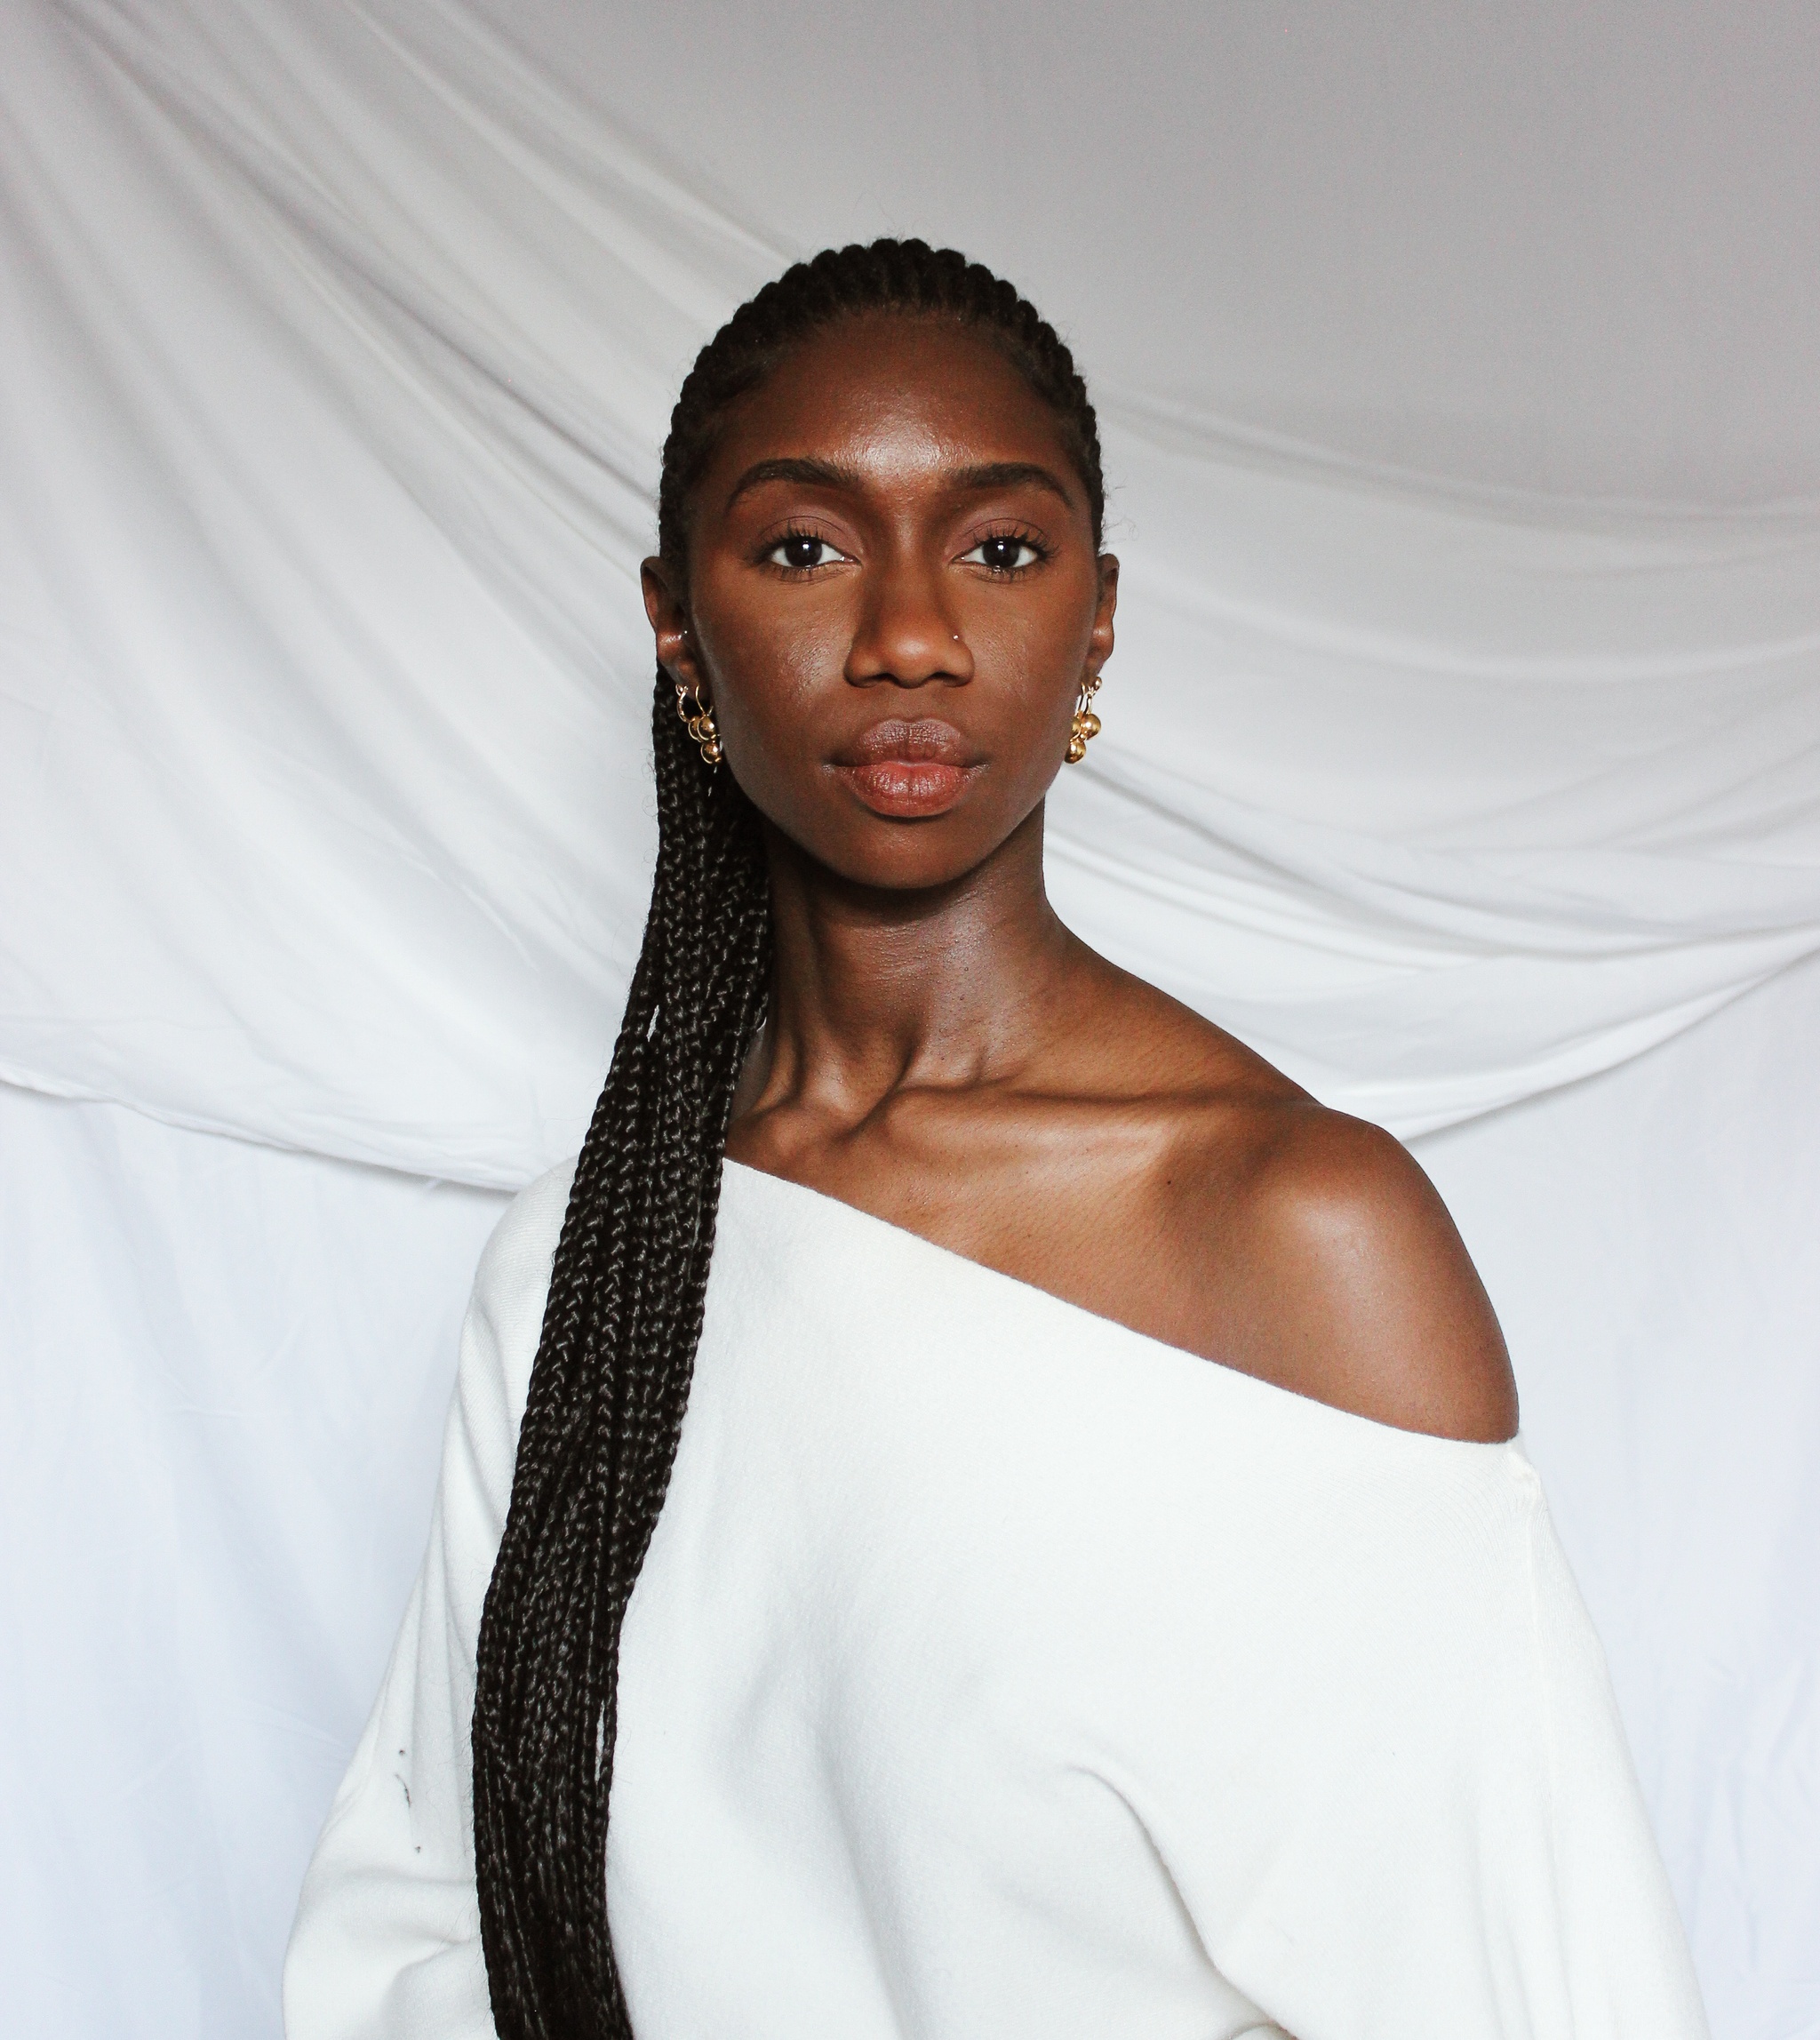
(629, 1280)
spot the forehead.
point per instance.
(892, 392)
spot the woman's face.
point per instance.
(893, 598)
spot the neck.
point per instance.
(875, 991)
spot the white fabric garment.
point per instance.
(996, 1669)
(226, 1377)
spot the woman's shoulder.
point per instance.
(1361, 1289)
(505, 1314)
(520, 1248)
(1316, 1251)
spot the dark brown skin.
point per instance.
(941, 1051)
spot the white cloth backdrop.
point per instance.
(1461, 752)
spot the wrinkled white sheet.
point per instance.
(1452, 763)
(343, 348)
(227, 1371)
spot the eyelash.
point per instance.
(795, 530)
(1024, 536)
(1019, 534)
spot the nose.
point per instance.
(905, 635)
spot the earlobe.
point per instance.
(1102, 638)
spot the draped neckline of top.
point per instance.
(1076, 1319)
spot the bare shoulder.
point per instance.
(1270, 1233)
(1309, 1248)
(1339, 1272)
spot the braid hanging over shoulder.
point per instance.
(611, 1381)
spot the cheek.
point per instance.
(1034, 653)
(783, 684)
(776, 664)
(766, 659)
(770, 677)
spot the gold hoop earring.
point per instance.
(1085, 727)
(699, 722)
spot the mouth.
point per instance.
(908, 770)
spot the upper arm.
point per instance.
(1358, 1290)
(387, 1936)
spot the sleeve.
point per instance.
(387, 1945)
(1417, 1818)
(1623, 1949)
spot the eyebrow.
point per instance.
(832, 475)
(1010, 475)
(813, 473)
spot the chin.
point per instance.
(911, 868)
(898, 856)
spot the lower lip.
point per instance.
(907, 786)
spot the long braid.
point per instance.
(627, 1287)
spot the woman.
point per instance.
(1014, 1525)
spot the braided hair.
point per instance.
(624, 1315)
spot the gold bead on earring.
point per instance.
(699, 722)
(1085, 726)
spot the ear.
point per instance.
(1099, 646)
(678, 653)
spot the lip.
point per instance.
(908, 770)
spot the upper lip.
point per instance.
(925, 741)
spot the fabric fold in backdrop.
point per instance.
(344, 346)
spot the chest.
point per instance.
(1112, 1212)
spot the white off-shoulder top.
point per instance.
(997, 1672)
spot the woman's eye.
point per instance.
(802, 550)
(1004, 554)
